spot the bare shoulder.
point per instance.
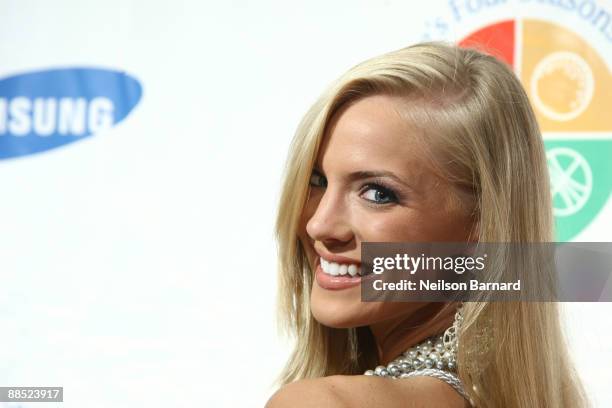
(356, 391)
(316, 392)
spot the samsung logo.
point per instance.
(47, 109)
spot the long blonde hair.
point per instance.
(473, 107)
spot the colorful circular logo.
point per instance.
(569, 85)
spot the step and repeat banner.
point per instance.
(141, 150)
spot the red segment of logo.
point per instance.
(496, 39)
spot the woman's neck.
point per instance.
(394, 336)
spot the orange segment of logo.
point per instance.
(565, 78)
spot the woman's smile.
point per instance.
(335, 272)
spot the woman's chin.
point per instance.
(334, 321)
(338, 312)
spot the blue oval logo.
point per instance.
(46, 109)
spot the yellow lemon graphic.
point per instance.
(567, 80)
(562, 85)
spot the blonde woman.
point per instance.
(430, 143)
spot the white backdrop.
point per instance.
(138, 265)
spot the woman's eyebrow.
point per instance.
(364, 174)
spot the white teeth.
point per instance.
(336, 269)
(333, 268)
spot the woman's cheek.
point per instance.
(387, 227)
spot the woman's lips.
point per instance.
(339, 282)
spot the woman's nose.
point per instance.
(329, 220)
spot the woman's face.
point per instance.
(372, 182)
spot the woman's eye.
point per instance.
(318, 180)
(379, 195)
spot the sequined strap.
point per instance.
(445, 376)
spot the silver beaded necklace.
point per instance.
(434, 357)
